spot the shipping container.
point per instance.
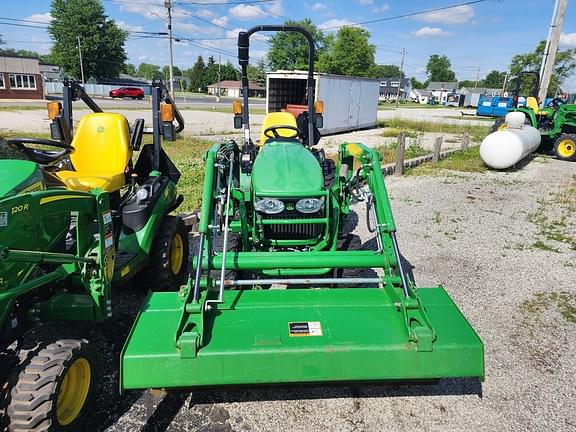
(350, 103)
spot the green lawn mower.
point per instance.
(280, 291)
(556, 122)
(76, 217)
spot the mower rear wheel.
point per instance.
(54, 389)
(565, 147)
(168, 266)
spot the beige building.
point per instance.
(20, 78)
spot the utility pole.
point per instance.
(477, 77)
(549, 57)
(80, 54)
(168, 6)
(505, 82)
(218, 93)
(400, 80)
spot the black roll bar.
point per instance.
(244, 57)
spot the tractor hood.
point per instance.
(284, 168)
(17, 176)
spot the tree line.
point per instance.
(346, 52)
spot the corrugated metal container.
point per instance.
(350, 103)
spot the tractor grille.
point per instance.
(293, 231)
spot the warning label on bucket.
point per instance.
(310, 328)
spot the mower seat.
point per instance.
(101, 153)
(278, 118)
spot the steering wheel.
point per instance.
(273, 131)
(555, 103)
(43, 157)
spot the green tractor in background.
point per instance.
(556, 122)
(75, 217)
(280, 291)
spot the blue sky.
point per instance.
(484, 35)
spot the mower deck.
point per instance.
(297, 336)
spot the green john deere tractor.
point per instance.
(279, 291)
(556, 122)
(75, 217)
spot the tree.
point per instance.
(468, 83)
(166, 72)
(385, 71)
(257, 74)
(494, 79)
(564, 66)
(352, 53)
(289, 50)
(195, 75)
(101, 39)
(417, 84)
(129, 69)
(439, 69)
(149, 71)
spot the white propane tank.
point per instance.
(502, 149)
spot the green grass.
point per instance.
(462, 160)
(555, 217)
(477, 132)
(22, 107)
(563, 301)
(388, 152)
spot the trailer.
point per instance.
(495, 106)
(350, 103)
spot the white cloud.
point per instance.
(221, 21)
(186, 27)
(380, 9)
(430, 32)
(317, 7)
(206, 13)
(43, 18)
(568, 40)
(366, 2)
(275, 7)
(247, 12)
(129, 27)
(455, 15)
(332, 23)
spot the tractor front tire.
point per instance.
(167, 268)
(565, 147)
(53, 390)
(351, 242)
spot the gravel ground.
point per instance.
(474, 234)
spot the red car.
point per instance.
(132, 92)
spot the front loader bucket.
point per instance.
(298, 336)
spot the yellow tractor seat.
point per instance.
(101, 153)
(278, 119)
(532, 103)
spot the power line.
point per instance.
(23, 20)
(222, 2)
(22, 25)
(406, 15)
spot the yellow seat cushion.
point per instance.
(101, 153)
(532, 103)
(278, 119)
(106, 182)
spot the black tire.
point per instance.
(565, 147)
(160, 274)
(329, 170)
(351, 242)
(234, 245)
(498, 123)
(35, 402)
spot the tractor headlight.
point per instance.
(269, 205)
(309, 205)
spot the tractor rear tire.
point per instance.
(565, 147)
(329, 170)
(54, 388)
(167, 268)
